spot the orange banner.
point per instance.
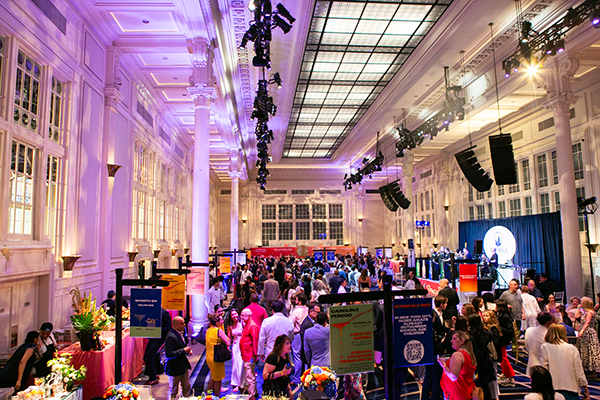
(468, 277)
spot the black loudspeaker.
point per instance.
(411, 244)
(503, 159)
(478, 246)
(386, 195)
(472, 170)
(484, 284)
(399, 196)
(530, 274)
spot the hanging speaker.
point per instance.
(472, 170)
(399, 196)
(503, 159)
(388, 200)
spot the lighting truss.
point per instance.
(369, 167)
(549, 42)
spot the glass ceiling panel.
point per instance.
(353, 50)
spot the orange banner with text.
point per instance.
(468, 277)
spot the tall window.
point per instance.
(501, 209)
(286, 211)
(2, 58)
(580, 193)
(545, 203)
(542, 171)
(557, 201)
(320, 211)
(515, 207)
(481, 211)
(490, 211)
(421, 202)
(286, 231)
(427, 205)
(501, 190)
(336, 211)
(336, 232)
(269, 232)
(432, 202)
(268, 211)
(20, 221)
(578, 161)
(528, 206)
(526, 175)
(470, 192)
(471, 213)
(56, 103)
(554, 168)
(27, 92)
(52, 200)
(515, 187)
(302, 211)
(319, 230)
(161, 219)
(480, 195)
(302, 230)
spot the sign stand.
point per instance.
(119, 314)
(388, 320)
(189, 264)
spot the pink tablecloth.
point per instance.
(101, 364)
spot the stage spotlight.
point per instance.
(525, 31)
(283, 11)
(550, 49)
(560, 46)
(277, 80)
(259, 60)
(595, 18)
(285, 27)
(251, 5)
(267, 8)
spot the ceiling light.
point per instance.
(283, 11)
(525, 31)
(550, 49)
(560, 46)
(251, 5)
(145, 21)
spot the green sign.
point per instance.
(351, 338)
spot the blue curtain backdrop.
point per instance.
(538, 237)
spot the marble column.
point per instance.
(408, 171)
(560, 99)
(234, 174)
(202, 92)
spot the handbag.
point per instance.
(221, 353)
(492, 351)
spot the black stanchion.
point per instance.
(387, 295)
(119, 314)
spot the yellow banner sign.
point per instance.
(173, 296)
(225, 265)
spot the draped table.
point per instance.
(101, 364)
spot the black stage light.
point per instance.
(267, 9)
(285, 27)
(283, 11)
(550, 48)
(560, 46)
(259, 60)
(595, 18)
(277, 79)
(525, 31)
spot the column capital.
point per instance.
(235, 175)
(113, 81)
(202, 94)
(557, 82)
(112, 97)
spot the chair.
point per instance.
(559, 297)
(516, 344)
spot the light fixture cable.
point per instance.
(491, 25)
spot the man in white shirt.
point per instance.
(531, 308)
(273, 326)
(246, 273)
(535, 337)
(297, 317)
(213, 296)
(343, 284)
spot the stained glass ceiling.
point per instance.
(353, 50)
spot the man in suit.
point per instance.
(270, 292)
(151, 356)
(453, 300)
(335, 282)
(313, 310)
(316, 342)
(176, 351)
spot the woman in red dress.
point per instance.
(459, 370)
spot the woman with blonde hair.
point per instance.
(589, 347)
(459, 370)
(563, 361)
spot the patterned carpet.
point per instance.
(375, 388)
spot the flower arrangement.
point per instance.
(87, 318)
(321, 379)
(122, 391)
(64, 372)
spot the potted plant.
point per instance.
(88, 320)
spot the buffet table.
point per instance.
(101, 364)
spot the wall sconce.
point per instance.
(186, 250)
(112, 171)
(69, 262)
(446, 207)
(244, 220)
(360, 220)
(156, 252)
(435, 245)
(132, 255)
(403, 244)
(173, 252)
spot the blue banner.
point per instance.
(318, 256)
(145, 313)
(379, 252)
(413, 332)
(331, 257)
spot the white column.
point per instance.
(202, 93)
(560, 98)
(408, 172)
(235, 224)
